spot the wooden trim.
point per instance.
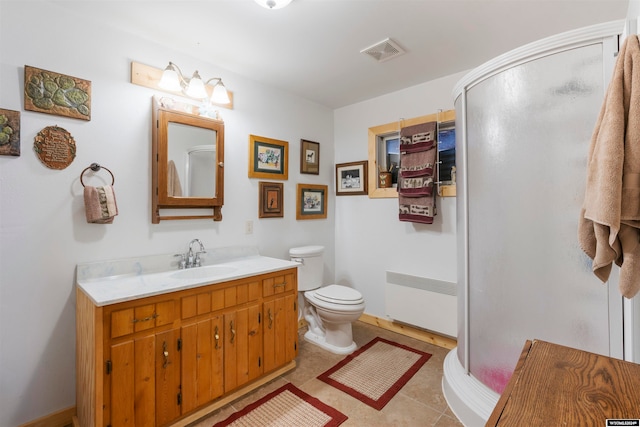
(61, 418)
(374, 132)
(409, 331)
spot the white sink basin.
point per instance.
(203, 272)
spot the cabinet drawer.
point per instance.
(140, 318)
(219, 299)
(278, 284)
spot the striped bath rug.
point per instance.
(376, 372)
(288, 406)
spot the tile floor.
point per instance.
(419, 403)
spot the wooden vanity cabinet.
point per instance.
(170, 359)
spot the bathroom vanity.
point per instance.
(159, 348)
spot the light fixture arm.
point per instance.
(217, 79)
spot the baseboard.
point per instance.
(62, 418)
(410, 331)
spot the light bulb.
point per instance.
(170, 79)
(220, 95)
(196, 87)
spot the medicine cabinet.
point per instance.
(187, 162)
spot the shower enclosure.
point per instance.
(200, 171)
(524, 123)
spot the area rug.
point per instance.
(376, 372)
(288, 406)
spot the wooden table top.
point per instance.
(554, 385)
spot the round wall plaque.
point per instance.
(55, 147)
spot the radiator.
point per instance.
(426, 303)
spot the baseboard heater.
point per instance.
(419, 301)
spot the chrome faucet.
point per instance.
(191, 258)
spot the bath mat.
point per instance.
(376, 372)
(287, 406)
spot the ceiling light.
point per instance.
(173, 80)
(273, 4)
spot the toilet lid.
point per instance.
(339, 294)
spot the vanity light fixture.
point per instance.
(173, 80)
(273, 4)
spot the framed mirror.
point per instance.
(187, 162)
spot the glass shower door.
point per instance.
(528, 131)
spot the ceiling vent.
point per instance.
(384, 50)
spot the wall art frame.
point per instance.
(9, 132)
(311, 201)
(268, 158)
(309, 157)
(54, 93)
(271, 200)
(352, 178)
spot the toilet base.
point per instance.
(321, 341)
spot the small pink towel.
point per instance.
(100, 204)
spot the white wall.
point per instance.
(43, 231)
(369, 238)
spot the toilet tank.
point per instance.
(311, 268)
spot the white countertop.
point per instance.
(111, 282)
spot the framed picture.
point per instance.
(270, 203)
(309, 157)
(312, 201)
(9, 132)
(59, 94)
(351, 178)
(268, 158)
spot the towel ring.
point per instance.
(96, 167)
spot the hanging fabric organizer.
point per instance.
(416, 193)
(99, 202)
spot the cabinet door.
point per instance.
(130, 382)
(280, 331)
(202, 359)
(167, 369)
(243, 346)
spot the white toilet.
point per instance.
(329, 310)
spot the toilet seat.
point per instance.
(338, 294)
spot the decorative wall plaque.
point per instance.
(55, 147)
(53, 93)
(9, 132)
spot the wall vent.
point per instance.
(383, 51)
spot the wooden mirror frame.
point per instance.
(376, 192)
(161, 117)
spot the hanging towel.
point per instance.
(419, 163)
(416, 173)
(419, 137)
(416, 198)
(417, 209)
(609, 222)
(100, 204)
(173, 180)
